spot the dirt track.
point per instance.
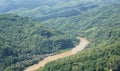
(84, 42)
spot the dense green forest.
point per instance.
(101, 58)
(62, 8)
(101, 26)
(24, 42)
(97, 24)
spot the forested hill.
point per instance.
(46, 10)
(101, 58)
(24, 42)
(101, 25)
(97, 24)
(51, 9)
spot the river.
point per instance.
(82, 44)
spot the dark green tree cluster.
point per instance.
(101, 25)
(24, 42)
(98, 24)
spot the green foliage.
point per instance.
(100, 58)
(96, 20)
(101, 26)
(24, 42)
(101, 22)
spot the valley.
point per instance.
(82, 44)
(41, 34)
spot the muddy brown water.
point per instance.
(83, 43)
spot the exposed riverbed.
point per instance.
(83, 43)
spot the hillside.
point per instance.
(24, 42)
(102, 58)
(82, 44)
(52, 9)
(14, 5)
(101, 26)
(96, 20)
(57, 9)
(100, 23)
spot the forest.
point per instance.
(101, 26)
(24, 42)
(31, 31)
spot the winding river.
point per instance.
(83, 43)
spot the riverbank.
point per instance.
(83, 43)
